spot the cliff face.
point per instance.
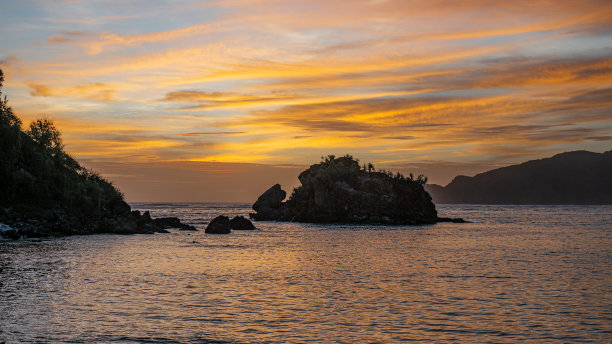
(578, 177)
(339, 191)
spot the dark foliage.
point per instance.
(38, 178)
(44, 191)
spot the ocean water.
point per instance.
(538, 274)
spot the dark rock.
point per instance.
(173, 222)
(452, 219)
(146, 217)
(267, 213)
(241, 223)
(270, 205)
(271, 198)
(119, 207)
(11, 234)
(219, 225)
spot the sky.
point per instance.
(218, 100)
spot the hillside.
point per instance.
(45, 192)
(578, 177)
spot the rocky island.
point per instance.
(46, 192)
(339, 190)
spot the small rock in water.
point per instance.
(241, 223)
(219, 225)
(453, 220)
(173, 222)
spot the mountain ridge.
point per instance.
(575, 177)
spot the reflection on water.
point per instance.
(540, 274)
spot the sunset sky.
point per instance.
(218, 100)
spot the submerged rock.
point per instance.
(173, 222)
(452, 219)
(241, 223)
(219, 225)
(338, 190)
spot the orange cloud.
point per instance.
(270, 81)
(97, 91)
(39, 90)
(214, 133)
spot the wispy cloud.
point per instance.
(214, 133)
(96, 91)
(96, 43)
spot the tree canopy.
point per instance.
(7, 117)
(36, 173)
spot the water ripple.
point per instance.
(516, 273)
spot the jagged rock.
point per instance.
(173, 222)
(59, 224)
(120, 207)
(146, 217)
(219, 225)
(270, 205)
(241, 223)
(271, 198)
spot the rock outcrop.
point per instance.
(338, 190)
(270, 204)
(241, 223)
(58, 223)
(219, 225)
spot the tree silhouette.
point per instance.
(44, 132)
(7, 117)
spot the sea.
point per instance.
(533, 274)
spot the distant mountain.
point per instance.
(578, 177)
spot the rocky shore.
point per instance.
(339, 190)
(118, 219)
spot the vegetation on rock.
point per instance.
(44, 191)
(339, 190)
